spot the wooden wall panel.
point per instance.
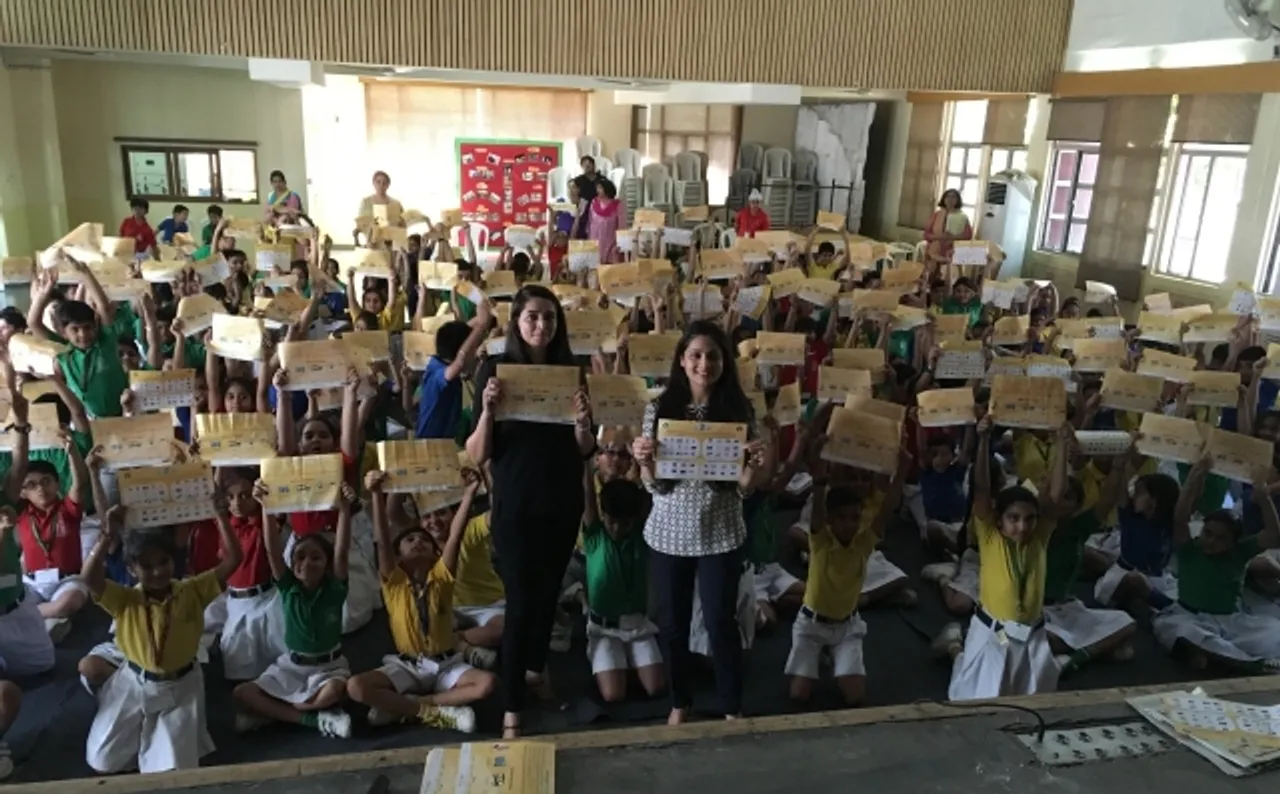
(933, 45)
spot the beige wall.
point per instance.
(97, 102)
(608, 121)
(770, 125)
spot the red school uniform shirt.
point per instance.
(144, 237)
(310, 523)
(204, 547)
(255, 567)
(51, 539)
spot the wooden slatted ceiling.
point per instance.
(937, 45)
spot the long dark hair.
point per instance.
(728, 403)
(558, 351)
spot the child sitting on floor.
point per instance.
(1206, 621)
(253, 632)
(620, 636)
(308, 682)
(426, 680)
(151, 710)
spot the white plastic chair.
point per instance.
(588, 146)
(805, 167)
(751, 156)
(727, 237)
(688, 167)
(558, 184)
(777, 164)
(604, 165)
(480, 237)
(628, 160)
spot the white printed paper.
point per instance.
(699, 450)
(1103, 442)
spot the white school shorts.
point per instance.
(949, 531)
(1080, 627)
(966, 581)
(700, 640)
(1239, 636)
(989, 667)
(155, 726)
(46, 591)
(771, 581)
(809, 636)
(1104, 590)
(634, 644)
(109, 652)
(24, 642)
(481, 615)
(253, 636)
(880, 573)
(1105, 543)
(423, 675)
(298, 683)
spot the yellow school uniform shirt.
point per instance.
(179, 620)
(828, 272)
(402, 611)
(477, 583)
(836, 571)
(1000, 560)
(1031, 457)
(391, 318)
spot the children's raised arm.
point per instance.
(286, 432)
(342, 542)
(381, 530)
(270, 533)
(92, 572)
(1187, 498)
(232, 554)
(351, 438)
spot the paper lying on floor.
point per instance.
(1238, 738)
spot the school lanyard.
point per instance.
(157, 647)
(424, 612)
(44, 543)
(1017, 556)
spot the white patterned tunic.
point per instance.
(690, 518)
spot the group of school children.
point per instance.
(1014, 517)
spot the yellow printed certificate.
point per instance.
(319, 364)
(618, 400)
(158, 390)
(421, 465)
(536, 393)
(196, 312)
(1130, 391)
(43, 418)
(1035, 403)
(419, 347)
(863, 440)
(835, 384)
(1171, 438)
(177, 494)
(302, 484)
(651, 355)
(236, 439)
(946, 407)
(236, 338)
(700, 450)
(129, 441)
(1166, 366)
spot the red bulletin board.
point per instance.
(504, 183)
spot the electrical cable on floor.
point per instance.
(1041, 725)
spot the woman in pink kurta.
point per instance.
(607, 213)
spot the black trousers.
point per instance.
(532, 554)
(717, 577)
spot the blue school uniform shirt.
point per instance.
(1144, 546)
(440, 406)
(168, 228)
(298, 399)
(943, 493)
(1267, 393)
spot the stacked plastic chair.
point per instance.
(589, 146)
(804, 189)
(659, 188)
(630, 185)
(775, 179)
(558, 185)
(690, 180)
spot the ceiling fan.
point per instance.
(1255, 18)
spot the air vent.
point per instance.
(996, 192)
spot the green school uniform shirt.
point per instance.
(1212, 495)
(973, 308)
(127, 323)
(1064, 555)
(617, 572)
(95, 374)
(1212, 583)
(312, 620)
(762, 541)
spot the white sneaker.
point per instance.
(483, 658)
(952, 634)
(58, 629)
(379, 719)
(6, 761)
(1062, 660)
(459, 718)
(939, 572)
(335, 723)
(247, 722)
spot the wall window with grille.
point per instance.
(1200, 200)
(1069, 197)
(964, 171)
(660, 132)
(190, 171)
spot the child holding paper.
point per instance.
(620, 636)
(151, 710)
(1139, 580)
(1206, 621)
(1007, 649)
(427, 680)
(317, 436)
(253, 634)
(774, 586)
(307, 683)
(440, 406)
(388, 307)
(843, 534)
